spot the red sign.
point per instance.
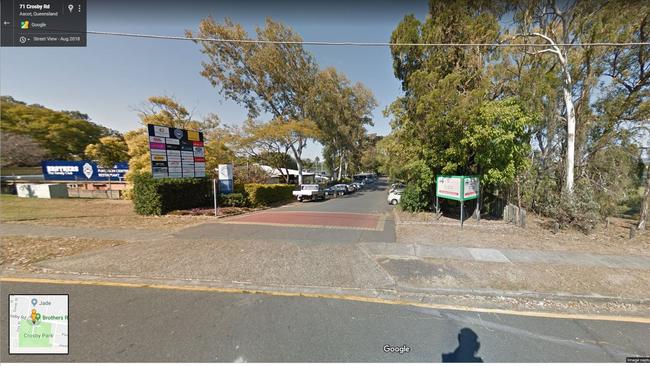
(199, 159)
(197, 143)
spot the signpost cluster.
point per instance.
(458, 188)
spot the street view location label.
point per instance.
(44, 23)
(38, 324)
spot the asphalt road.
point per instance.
(370, 199)
(115, 324)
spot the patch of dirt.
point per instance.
(627, 283)
(423, 228)
(120, 222)
(22, 251)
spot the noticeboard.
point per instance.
(457, 187)
(176, 152)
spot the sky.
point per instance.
(113, 76)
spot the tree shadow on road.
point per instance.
(468, 346)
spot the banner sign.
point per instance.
(82, 170)
(176, 153)
(457, 187)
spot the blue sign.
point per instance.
(225, 186)
(82, 170)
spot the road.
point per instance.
(117, 324)
(363, 216)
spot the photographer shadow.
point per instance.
(468, 346)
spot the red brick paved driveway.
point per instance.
(342, 220)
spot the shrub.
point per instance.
(266, 194)
(232, 200)
(413, 199)
(579, 210)
(159, 196)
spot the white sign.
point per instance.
(161, 131)
(470, 187)
(88, 170)
(448, 186)
(225, 171)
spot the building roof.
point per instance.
(273, 172)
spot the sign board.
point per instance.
(449, 187)
(225, 178)
(457, 187)
(82, 170)
(176, 153)
(470, 188)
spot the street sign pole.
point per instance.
(462, 204)
(214, 193)
(478, 202)
(437, 205)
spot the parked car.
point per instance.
(395, 196)
(397, 186)
(341, 189)
(309, 191)
(330, 191)
(352, 187)
(357, 185)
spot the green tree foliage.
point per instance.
(437, 124)
(64, 135)
(341, 111)
(495, 144)
(609, 88)
(109, 151)
(461, 98)
(270, 143)
(264, 77)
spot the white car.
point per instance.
(394, 196)
(309, 191)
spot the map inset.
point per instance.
(38, 324)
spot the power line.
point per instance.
(367, 44)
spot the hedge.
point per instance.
(266, 194)
(159, 196)
(232, 200)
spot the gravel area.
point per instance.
(22, 251)
(422, 228)
(543, 278)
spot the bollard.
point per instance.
(632, 232)
(522, 218)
